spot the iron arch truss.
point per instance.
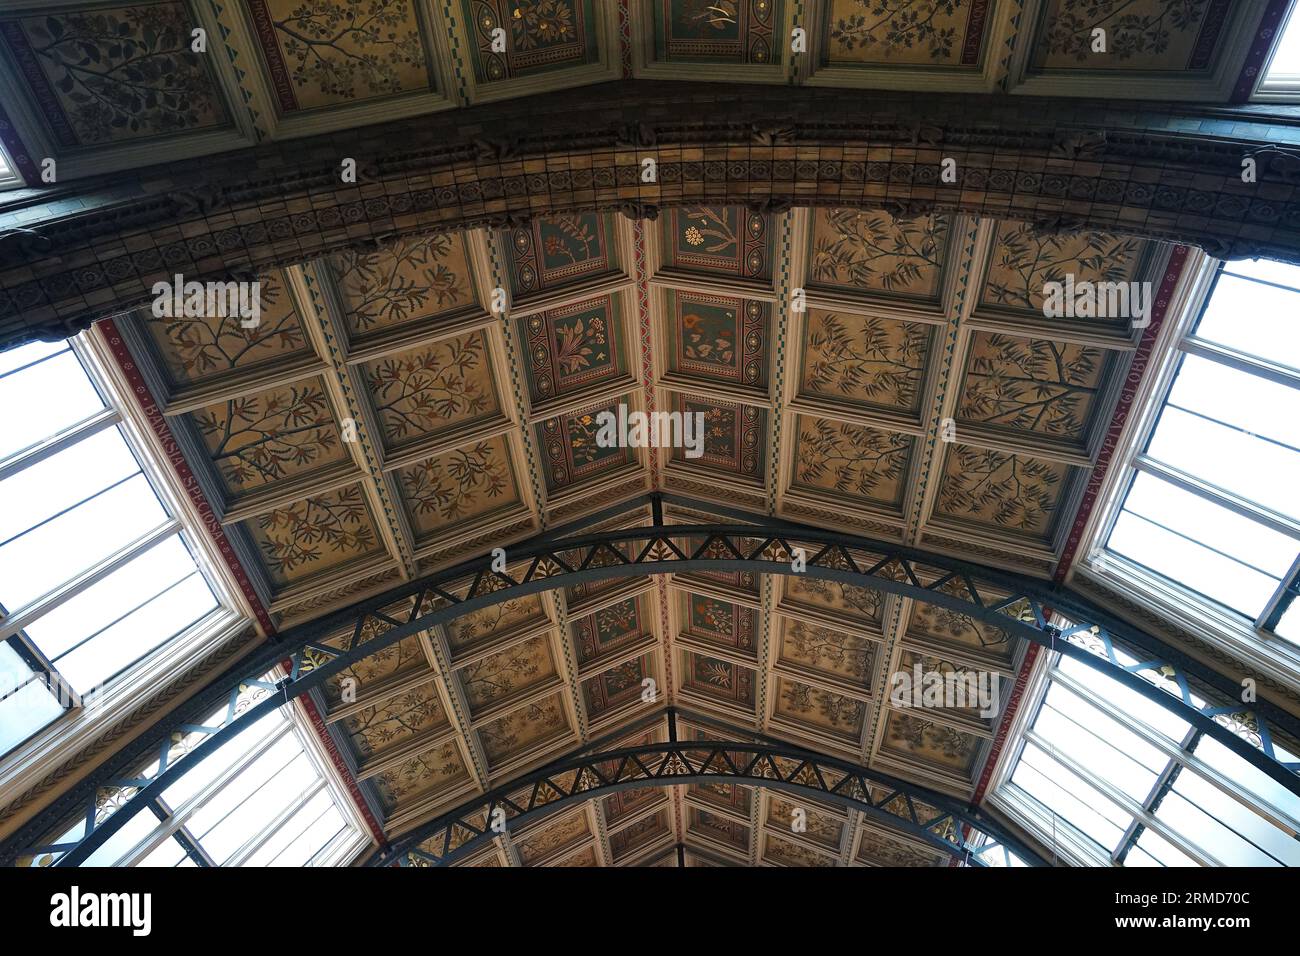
(961, 831)
(1046, 614)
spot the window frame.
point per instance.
(1099, 570)
(214, 637)
(1062, 838)
(1285, 91)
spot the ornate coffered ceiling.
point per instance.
(381, 423)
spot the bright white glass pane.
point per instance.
(1257, 470)
(1191, 565)
(243, 784)
(288, 832)
(27, 354)
(224, 757)
(1285, 63)
(1289, 626)
(1248, 824)
(1269, 270)
(1211, 524)
(57, 551)
(24, 712)
(186, 862)
(1064, 801)
(1220, 758)
(325, 829)
(95, 608)
(1126, 701)
(60, 481)
(1234, 397)
(1161, 850)
(122, 842)
(1271, 330)
(168, 853)
(1198, 828)
(43, 400)
(286, 789)
(1113, 732)
(137, 634)
(1093, 755)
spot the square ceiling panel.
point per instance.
(539, 36)
(726, 243)
(610, 629)
(828, 654)
(718, 682)
(734, 438)
(841, 463)
(868, 33)
(732, 32)
(878, 848)
(524, 733)
(459, 488)
(714, 623)
(422, 282)
(717, 341)
(553, 837)
(497, 680)
(207, 352)
(575, 350)
(820, 710)
(920, 739)
(394, 724)
(435, 775)
(624, 804)
(714, 828)
(865, 365)
(728, 797)
(784, 852)
(811, 823)
(944, 630)
(1023, 262)
(639, 835)
(621, 687)
(833, 602)
(145, 82)
(572, 452)
(561, 253)
(472, 633)
(426, 396)
(267, 439)
(328, 54)
(325, 533)
(1141, 36)
(1036, 391)
(1003, 495)
(854, 254)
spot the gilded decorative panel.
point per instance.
(334, 52)
(114, 74)
(719, 338)
(734, 436)
(718, 241)
(574, 347)
(731, 626)
(403, 283)
(539, 36)
(718, 31)
(555, 252)
(429, 391)
(819, 826)
(608, 630)
(840, 461)
(873, 252)
(572, 451)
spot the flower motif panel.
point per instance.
(316, 534)
(540, 36)
(719, 241)
(718, 31)
(451, 490)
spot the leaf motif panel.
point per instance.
(574, 347)
(864, 362)
(824, 711)
(1032, 386)
(520, 730)
(720, 338)
(404, 282)
(873, 252)
(839, 460)
(836, 654)
(819, 825)
(115, 74)
(928, 33)
(607, 630)
(573, 451)
(266, 437)
(453, 489)
(617, 687)
(381, 727)
(877, 849)
(480, 627)
(795, 854)
(203, 349)
(320, 533)
(561, 250)
(1141, 35)
(421, 776)
(721, 680)
(1002, 492)
(718, 828)
(728, 625)
(508, 674)
(335, 52)
(931, 742)
(846, 600)
(432, 390)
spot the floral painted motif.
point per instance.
(316, 533)
(876, 252)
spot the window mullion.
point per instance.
(255, 842)
(1277, 605)
(1120, 799)
(28, 457)
(1226, 499)
(43, 605)
(1240, 361)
